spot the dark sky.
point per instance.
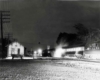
(34, 21)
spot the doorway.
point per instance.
(18, 51)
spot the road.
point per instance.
(43, 70)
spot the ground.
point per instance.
(44, 70)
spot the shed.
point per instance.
(15, 48)
(93, 50)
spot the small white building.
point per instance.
(92, 54)
(15, 48)
(93, 51)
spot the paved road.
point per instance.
(43, 70)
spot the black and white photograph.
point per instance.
(49, 39)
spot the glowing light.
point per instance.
(48, 47)
(35, 52)
(39, 50)
(58, 52)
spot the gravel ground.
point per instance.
(43, 70)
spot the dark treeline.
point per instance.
(70, 39)
(6, 42)
(83, 36)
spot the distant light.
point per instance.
(48, 47)
(35, 52)
(39, 50)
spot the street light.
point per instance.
(40, 52)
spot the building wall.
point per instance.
(92, 54)
(13, 48)
(68, 52)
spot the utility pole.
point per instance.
(9, 37)
(4, 18)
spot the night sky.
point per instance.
(34, 21)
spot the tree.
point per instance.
(87, 35)
(62, 38)
(6, 42)
(93, 36)
(84, 36)
(82, 32)
(67, 39)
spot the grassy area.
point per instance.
(45, 70)
(82, 64)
